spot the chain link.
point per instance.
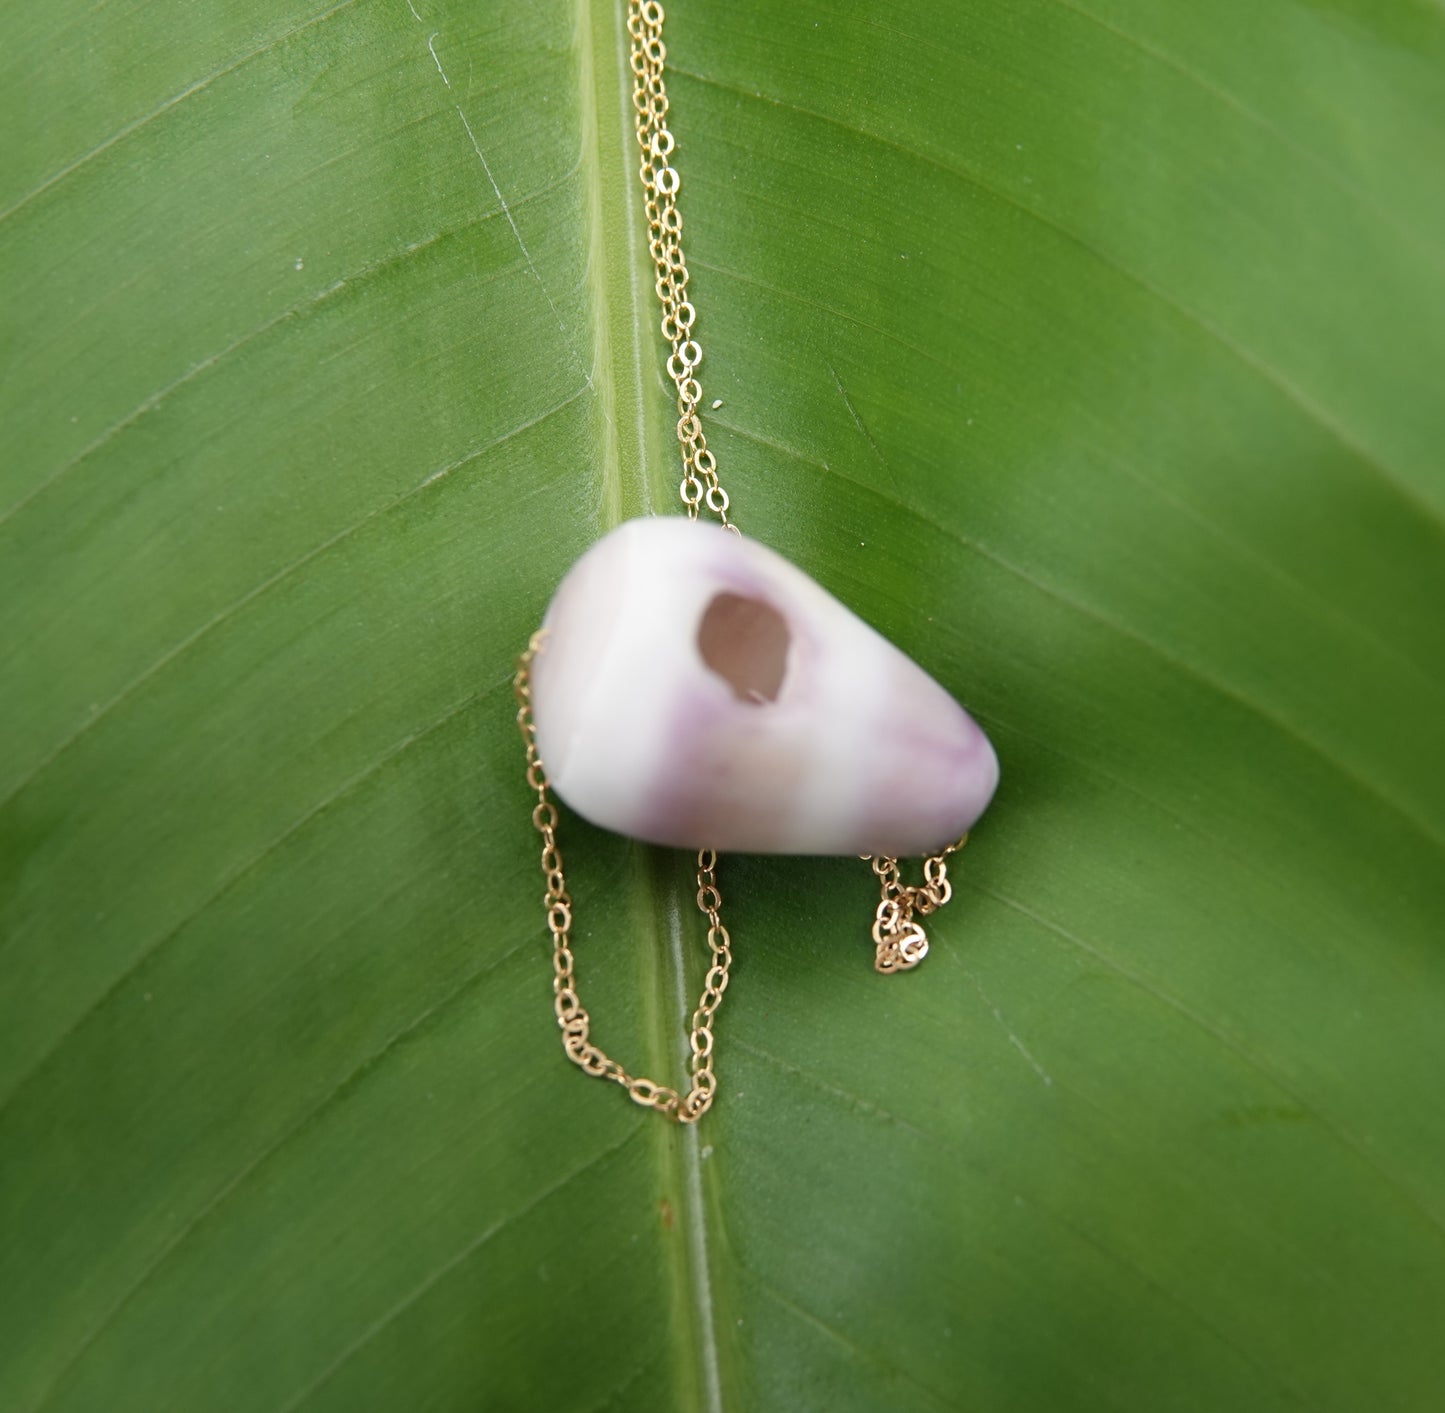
(898, 936)
(572, 1018)
(660, 182)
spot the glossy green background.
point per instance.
(1092, 351)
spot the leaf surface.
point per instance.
(1091, 351)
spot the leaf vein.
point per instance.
(1340, 1135)
(1286, 728)
(827, 1086)
(271, 582)
(469, 1250)
(171, 103)
(867, 1356)
(296, 312)
(1334, 174)
(238, 1180)
(247, 867)
(1254, 362)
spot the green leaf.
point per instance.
(1090, 350)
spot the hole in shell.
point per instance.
(745, 641)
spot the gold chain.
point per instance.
(899, 938)
(572, 1019)
(660, 183)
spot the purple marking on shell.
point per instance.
(860, 751)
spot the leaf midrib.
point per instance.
(638, 455)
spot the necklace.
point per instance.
(694, 689)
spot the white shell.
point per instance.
(858, 751)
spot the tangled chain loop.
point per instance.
(899, 938)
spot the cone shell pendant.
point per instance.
(693, 688)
